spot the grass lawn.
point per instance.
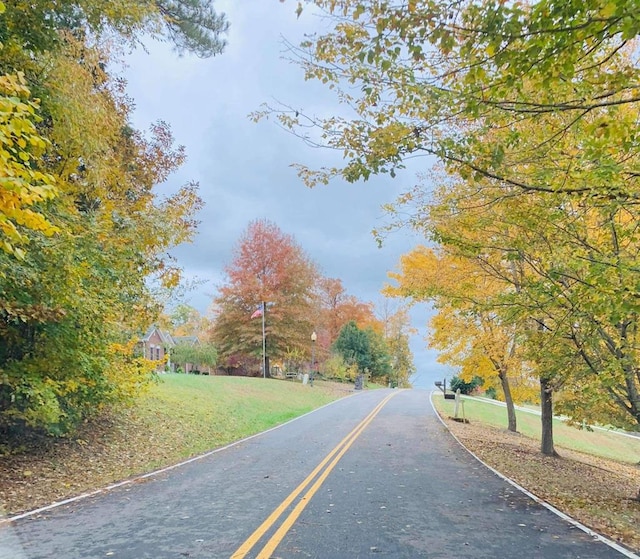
(198, 413)
(598, 443)
(179, 417)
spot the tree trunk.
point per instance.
(546, 408)
(508, 400)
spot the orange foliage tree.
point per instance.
(268, 267)
(335, 309)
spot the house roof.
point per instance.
(187, 340)
(165, 337)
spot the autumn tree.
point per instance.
(339, 307)
(335, 308)
(534, 108)
(23, 188)
(576, 260)
(185, 320)
(268, 267)
(75, 301)
(467, 329)
(396, 331)
(79, 209)
(551, 251)
(423, 78)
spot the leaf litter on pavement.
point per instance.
(600, 493)
(595, 491)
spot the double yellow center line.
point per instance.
(320, 473)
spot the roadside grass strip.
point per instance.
(315, 480)
(136, 478)
(606, 444)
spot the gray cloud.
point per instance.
(244, 169)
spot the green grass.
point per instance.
(179, 417)
(597, 443)
(194, 413)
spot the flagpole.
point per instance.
(264, 344)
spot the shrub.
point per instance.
(491, 393)
(465, 387)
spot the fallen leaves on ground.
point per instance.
(49, 470)
(597, 492)
(107, 450)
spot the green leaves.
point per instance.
(363, 348)
(531, 111)
(83, 236)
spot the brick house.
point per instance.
(156, 345)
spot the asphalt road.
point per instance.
(364, 477)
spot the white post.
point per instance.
(457, 404)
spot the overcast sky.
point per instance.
(244, 169)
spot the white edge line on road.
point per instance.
(135, 479)
(626, 552)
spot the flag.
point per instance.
(257, 313)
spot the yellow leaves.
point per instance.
(524, 388)
(14, 85)
(609, 10)
(20, 185)
(129, 372)
(88, 121)
(170, 277)
(416, 276)
(70, 385)
(384, 141)
(466, 331)
(351, 32)
(425, 275)
(116, 233)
